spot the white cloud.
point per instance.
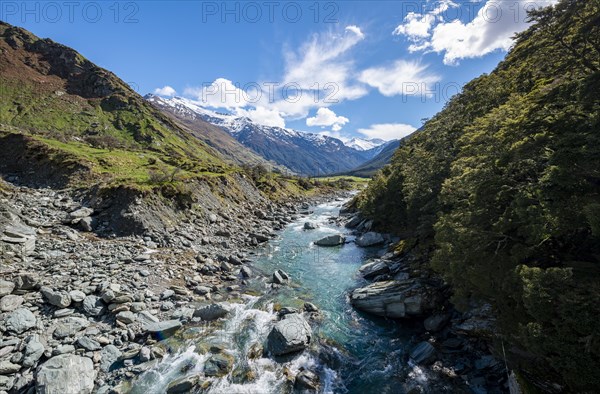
(222, 93)
(388, 131)
(323, 70)
(165, 91)
(263, 116)
(491, 29)
(326, 117)
(356, 30)
(402, 77)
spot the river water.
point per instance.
(351, 352)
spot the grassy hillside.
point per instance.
(55, 95)
(501, 191)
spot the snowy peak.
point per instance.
(304, 153)
(363, 144)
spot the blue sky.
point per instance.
(350, 68)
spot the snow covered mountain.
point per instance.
(304, 153)
(364, 144)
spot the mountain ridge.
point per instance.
(302, 152)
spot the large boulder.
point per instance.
(310, 226)
(370, 239)
(331, 240)
(66, 374)
(291, 334)
(374, 269)
(395, 299)
(280, 277)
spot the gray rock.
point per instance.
(108, 357)
(6, 287)
(307, 381)
(310, 307)
(20, 320)
(184, 385)
(291, 334)
(436, 322)
(26, 282)
(126, 317)
(310, 226)
(66, 374)
(63, 312)
(93, 305)
(108, 296)
(394, 299)
(81, 213)
(10, 302)
(202, 290)
(77, 295)
(63, 349)
(163, 328)
(218, 365)
(146, 317)
(246, 272)
(167, 294)
(33, 351)
(145, 354)
(373, 269)
(61, 299)
(331, 240)
(422, 352)
(69, 326)
(280, 277)
(88, 344)
(212, 311)
(85, 224)
(7, 368)
(6, 383)
(370, 239)
(355, 221)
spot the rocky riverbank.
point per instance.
(458, 346)
(81, 312)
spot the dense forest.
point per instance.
(500, 194)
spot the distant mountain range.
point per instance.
(301, 152)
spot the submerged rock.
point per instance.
(291, 334)
(185, 384)
(331, 240)
(218, 365)
(212, 311)
(306, 381)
